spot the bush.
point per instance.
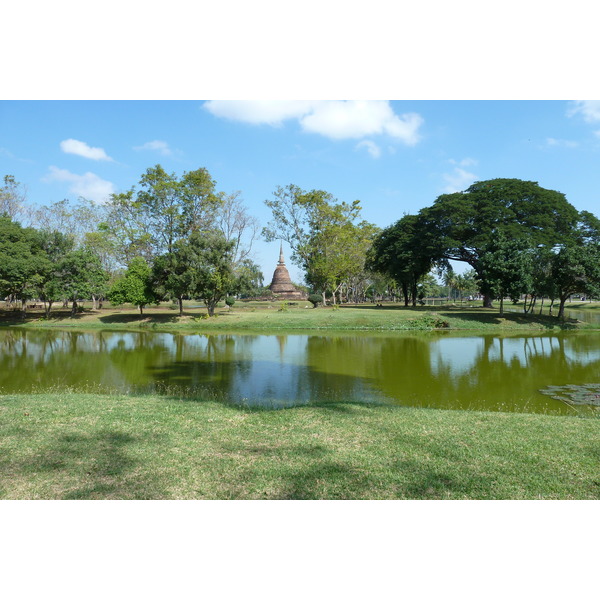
(230, 301)
(315, 299)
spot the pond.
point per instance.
(433, 369)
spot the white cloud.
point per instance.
(588, 109)
(458, 180)
(259, 111)
(335, 119)
(372, 148)
(561, 143)
(465, 162)
(88, 185)
(157, 145)
(72, 146)
(352, 119)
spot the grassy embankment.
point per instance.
(265, 317)
(91, 446)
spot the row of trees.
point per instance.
(177, 237)
(172, 238)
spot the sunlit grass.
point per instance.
(83, 446)
(271, 317)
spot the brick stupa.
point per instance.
(282, 285)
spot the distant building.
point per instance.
(282, 285)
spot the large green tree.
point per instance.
(402, 252)
(212, 260)
(56, 246)
(23, 261)
(460, 225)
(199, 266)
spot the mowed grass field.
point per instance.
(91, 446)
(278, 316)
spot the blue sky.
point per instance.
(395, 157)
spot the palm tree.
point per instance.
(449, 280)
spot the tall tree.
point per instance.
(197, 267)
(462, 224)
(212, 261)
(401, 251)
(56, 246)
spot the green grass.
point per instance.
(93, 446)
(264, 317)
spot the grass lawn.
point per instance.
(270, 317)
(88, 446)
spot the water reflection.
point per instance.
(427, 369)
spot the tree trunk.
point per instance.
(487, 301)
(74, 308)
(561, 309)
(141, 309)
(48, 308)
(180, 300)
(532, 304)
(502, 305)
(324, 299)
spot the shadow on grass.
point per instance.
(388, 307)
(478, 315)
(490, 318)
(328, 479)
(137, 318)
(428, 483)
(91, 466)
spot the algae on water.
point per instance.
(586, 394)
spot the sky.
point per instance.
(395, 157)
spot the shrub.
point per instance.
(229, 301)
(315, 299)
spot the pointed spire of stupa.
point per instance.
(281, 261)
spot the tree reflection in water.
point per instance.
(444, 370)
